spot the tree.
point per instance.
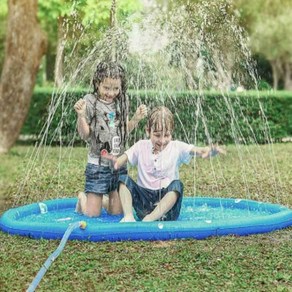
(53, 17)
(270, 26)
(3, 21)
(24, 47)
(273, 38)
(73, 28)
(206, 43)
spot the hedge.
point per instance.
(246, 117)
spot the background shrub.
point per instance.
(245, 117)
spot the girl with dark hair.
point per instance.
(103, 122)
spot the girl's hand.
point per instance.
(80, 107)
(141, 112)
(111, 157)
(108, 156)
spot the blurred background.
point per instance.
(48, 47)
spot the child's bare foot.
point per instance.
(129, 218)
(81, 203)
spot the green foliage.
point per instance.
(247, 117)
(270, 28)
(98, 12)
(47, 118)
(269, 31)
(3, 22)
(264, 71)
(82, 23)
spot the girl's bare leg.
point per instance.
(165, 204)
(93, 205)
(114, 204)
(81, 203)
(78, 207)
(105, 202)
(127, 204)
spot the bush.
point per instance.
(245, 117)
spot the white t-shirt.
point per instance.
(156, 171)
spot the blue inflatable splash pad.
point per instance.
(200, 217)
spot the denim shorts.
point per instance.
(146, 200)
(102, 179)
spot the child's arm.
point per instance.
(141, 113)
(82, 126)
(122, 160)
(206, 152)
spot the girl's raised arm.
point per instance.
(82, 126)
(140, 114)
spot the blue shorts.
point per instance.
(102, 179)
(146, 200)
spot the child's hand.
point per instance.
(141, 112)
(212, 151)
(80, 107)
(108, 156)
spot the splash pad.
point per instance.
(200, 217)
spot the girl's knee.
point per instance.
(92, 213)
(93, 205)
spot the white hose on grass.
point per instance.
(54, 255)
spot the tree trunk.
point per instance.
(25, 45)
(59, 74)
(288, 76)
(277, 72)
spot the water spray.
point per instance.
(113, 21)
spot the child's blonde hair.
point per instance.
(160, 119)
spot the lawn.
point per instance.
(252, 263)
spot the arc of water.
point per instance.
(113, 21)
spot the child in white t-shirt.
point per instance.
(157, 195)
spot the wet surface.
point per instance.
(200, 213)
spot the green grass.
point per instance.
(253, 263)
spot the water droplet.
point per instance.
(64, 219)
(237, 200)
(208, 221)
(43, 208)
(160, 225)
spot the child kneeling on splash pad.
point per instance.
(157, 195)
(103, 123)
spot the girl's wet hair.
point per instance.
(109, 70)
(160, 118)
(115, 71)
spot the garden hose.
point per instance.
(54, 255)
